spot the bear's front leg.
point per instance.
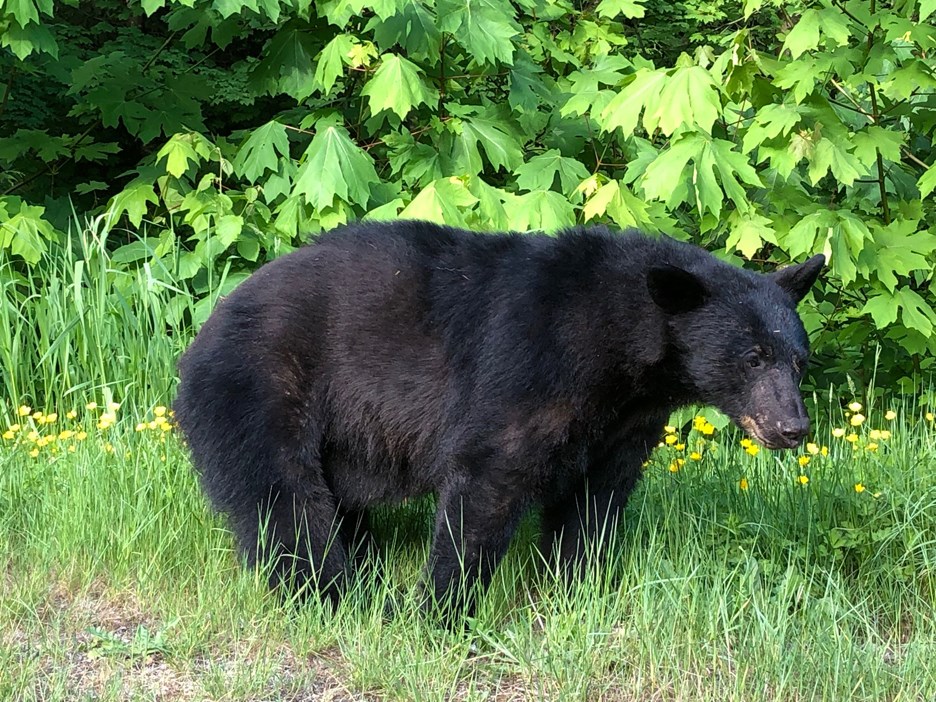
(583, 523)
(474, 524)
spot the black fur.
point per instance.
(498, 371)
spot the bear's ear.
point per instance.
(675, 290)
(797, 280)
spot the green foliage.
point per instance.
(764, 130)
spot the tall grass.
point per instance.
(119, 583)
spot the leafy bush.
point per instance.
(232, 129)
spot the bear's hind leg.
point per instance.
(297, 534)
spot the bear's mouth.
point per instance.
(755, 431)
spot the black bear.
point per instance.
(497, 371)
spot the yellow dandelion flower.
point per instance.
(8, 435)
(171, 414)
(140, 427)
(152, 424)
(890, 416)
(34, 453)
(695, 456)
(670, 439)
(71, 448)
(166, 426)
(851, 438)
(113, 406)
(91, 406)
(33, 436)
(803, 480)
(856, 420)
(71, 414)
(66, 434)
(871, 447)
(752, 450)
(698, 422)
(708, 429)
(803, 461)
(160, 411)
(51, 417)
(812, 449)
(745, 443)
(929, 417)
(24, 410)
(859, 488)
(38, 416)
(678, 447)
(838, 433)
(743, 484)
(855, 406)
(874, 435)
(885, 434)
(81, 435)
(42, 442)
(14, 427)
(824, 451)
(108, 448)
(103, 425)
(676, 465)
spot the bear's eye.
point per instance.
(753, 360)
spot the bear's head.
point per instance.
(740, 343)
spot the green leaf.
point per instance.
(669, 169)
(485, 28)
(492, 131)
(287, 64)
(804, 36)
(917, 313)
(228, 227)
(770, 122)
(23, 41)
(908, 80)
(689, 98)
(490, 212)
(259, 153)
(332, 60)
(397, 86)
(927, 7)
(612, 8)
(441, 201)
(133, 200)
(413, 27)
(542, 210)
(873, 138)
(333, 165)
(749, 231)
(540, 172)
(834, 24)
(26, 232)
(831, 154)
(896, 250)
(248, 247)
(178, 152)
(883, 309)
(927, 181)
(150, 6)
(643, 92)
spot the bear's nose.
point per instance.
(794, 430)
